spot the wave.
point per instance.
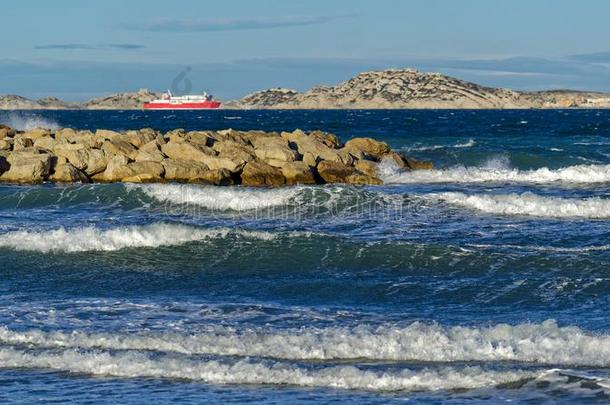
(593, 173)
(143, 365)
(93, 239)
(295, 201)
(470, 143)
(531, 204)
(217, 198)
(23, 122)
(542, 343)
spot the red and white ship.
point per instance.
(193, 102)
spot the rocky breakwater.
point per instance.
(250, 158)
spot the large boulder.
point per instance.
(119, 169)
(116, 170)
(419, 164)
(116, 147)
(394, 159)
(105, 134)
(232, 135)
(45, 142)
(143, 156)
(6, 132)
(21, 143)
(87, 138)
(200, 153)
(36, 133)
(298, 173)
(142, 172)
(217, 177)
(92, 161)
(234, 151)
(150, 152)
(326, 138)
(176, 135)
(367, 167)
(186, 151)
(337, 172)
(6, 144)
(201, 138)
(27, 167)
(369, 146)
(403, 163)
(261, 174)
(221, 162)
(140, 137)
(312, 149)
(67, 173)
(273, 148)
(184, 170)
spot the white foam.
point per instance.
(544, 343)
(470, 143)
(132, 365)
(94, 239)
(593, 173)
(530, 204)
(218, 198)
(27, 122)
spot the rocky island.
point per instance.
(408, 88)
(392, 88)
(226, 157)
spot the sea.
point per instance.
(485, 280)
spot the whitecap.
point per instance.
(144, 365)
(470, 143)
(218, 198)
(592, 173)
(90, 238)
(542, 343)
(530, 204)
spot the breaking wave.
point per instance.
(498, 173)
(94, 239)
(542, 343)
(132, 365)
(27, 122)
(296, 200)
(217, 198)
(531, 204)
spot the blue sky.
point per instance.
(80, 49)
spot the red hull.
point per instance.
(205, 105)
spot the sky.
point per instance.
(78, 49)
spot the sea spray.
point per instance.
(26, 122)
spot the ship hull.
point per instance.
(206, 105)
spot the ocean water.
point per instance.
(486, 280)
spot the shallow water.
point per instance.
(485, 280)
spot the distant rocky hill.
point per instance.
(408, 88)
(392, 88)
(120, 101)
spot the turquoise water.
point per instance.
(485, 280)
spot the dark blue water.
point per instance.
(484, 280)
